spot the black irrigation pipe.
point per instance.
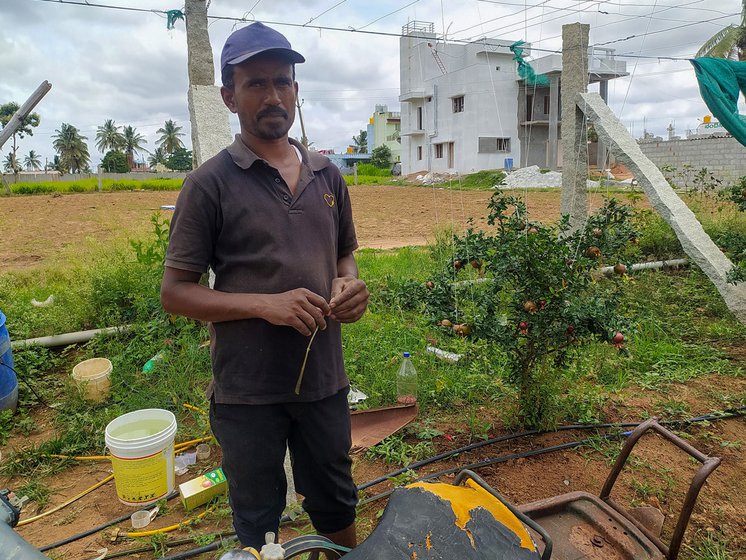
(720, 415)
(501, 459)
(171, 543)
(25, 381)
(98, 528)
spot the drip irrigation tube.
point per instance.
(722, 415)
(98, 528)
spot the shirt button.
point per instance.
(285, 197)
(277, 179)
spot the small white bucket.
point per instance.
(141, 444)
(93, 378)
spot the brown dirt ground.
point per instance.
(387, 217)
(41, 229)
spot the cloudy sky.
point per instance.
(125, 65)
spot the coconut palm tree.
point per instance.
(360, 143)
(158, 157)
(170, 137)
(72, 149)
(32, 162)
(108, 137)
(133, 142)
(729, 42)
(10, 164)
(7, 110)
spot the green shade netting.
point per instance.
(720, 83)
(524, 68)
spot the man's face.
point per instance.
(263, 96)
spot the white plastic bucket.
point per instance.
(93, 378)
(141, 444)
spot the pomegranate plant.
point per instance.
(537, 291)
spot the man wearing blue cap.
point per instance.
(274, 222)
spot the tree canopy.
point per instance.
(108, 137)
(72, 149)
(729, 42)
(170, 139)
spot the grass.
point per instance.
(91, 185)
(681, 332)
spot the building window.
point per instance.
(419, 153)
(546, 104)
(419, 118)
(458, 104)
(491, 145)
(439, 151)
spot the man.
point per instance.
(274, 222)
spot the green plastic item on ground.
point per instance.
(721, 81)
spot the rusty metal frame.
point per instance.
(709, 464)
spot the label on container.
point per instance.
(143, 479)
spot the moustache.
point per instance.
(272, 111)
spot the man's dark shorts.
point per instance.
(253, 439)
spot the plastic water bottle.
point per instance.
(406, 382)
(152, 362)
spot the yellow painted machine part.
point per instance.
(464, 499)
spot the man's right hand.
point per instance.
(300, 308)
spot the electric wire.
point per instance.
(378, 33)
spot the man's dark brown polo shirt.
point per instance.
(236, 214)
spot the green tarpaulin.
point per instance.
(525, 70)
(721, 81)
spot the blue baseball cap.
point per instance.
(254, 39)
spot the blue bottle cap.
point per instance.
(406, 354)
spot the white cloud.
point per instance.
(127, 66)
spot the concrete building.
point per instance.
(465, 108)
(384, 128)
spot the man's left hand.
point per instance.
(349, 299)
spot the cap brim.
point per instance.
(290, 54)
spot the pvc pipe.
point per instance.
(14, 547)
(673, 263)
(69, 338)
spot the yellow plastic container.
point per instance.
(141, 444)
(93, 378)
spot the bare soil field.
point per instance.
(39, 229)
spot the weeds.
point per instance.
(37, 492)
(395, 451)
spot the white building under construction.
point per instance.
(465, 108)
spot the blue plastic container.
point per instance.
(508, 164)
(8, 380)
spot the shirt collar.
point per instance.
(244, 158)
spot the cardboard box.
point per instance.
(202, 489)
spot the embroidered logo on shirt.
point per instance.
(329, 199)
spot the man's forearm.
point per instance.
(200, 302)
(346, 266)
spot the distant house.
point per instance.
(384, 127)
(465, 108)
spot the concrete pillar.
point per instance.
(574, 197)
(553, 121)
(201, 66)
(602, 157)
(211, 131)
(694, 240)
(523, 130)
